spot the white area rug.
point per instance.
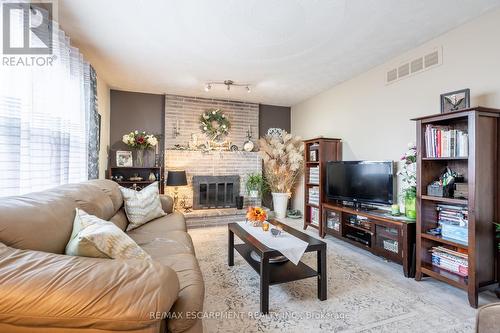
(365, 294)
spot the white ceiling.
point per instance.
(289, 50)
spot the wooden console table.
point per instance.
(392, 238)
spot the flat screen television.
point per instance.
(361, 181)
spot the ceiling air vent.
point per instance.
(414, 66)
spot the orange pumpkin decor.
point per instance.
(256, 214)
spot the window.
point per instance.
(46, 118)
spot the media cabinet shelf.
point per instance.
(480, 171)
(317, 152)
(384, 230)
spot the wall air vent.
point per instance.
(416, 65)
(392, 75)
(403, 70)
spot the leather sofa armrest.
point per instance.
(488, 318)
(167, 203)
(52, 290)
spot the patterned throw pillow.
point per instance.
(142, 206)
(93, 237)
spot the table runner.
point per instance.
(290, 246)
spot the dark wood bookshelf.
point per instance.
(127, 172)
(326, 149)
(480, 171)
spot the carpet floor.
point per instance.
(365, 294)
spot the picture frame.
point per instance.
(455, 100)
(124, 158)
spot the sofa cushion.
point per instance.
(93, 237)
(192, 290)
(120, 219)
(82, 293)
(43, 220)
(173, 242)
(142, 206)
(165, 224)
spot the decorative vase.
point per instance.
(139, 158)
(254, 194)
(280, 204)
(410, 206)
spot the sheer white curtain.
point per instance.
(44, 122)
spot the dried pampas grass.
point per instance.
(283, 160)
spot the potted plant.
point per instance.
(254, 185)
(408, 175)
(140, 141)
(282, 155)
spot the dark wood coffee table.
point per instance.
(271, 274)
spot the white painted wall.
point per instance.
(104, 111)
(373, 119)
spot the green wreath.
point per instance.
(214, 124)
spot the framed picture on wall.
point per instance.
(124, 158)
(455, 101)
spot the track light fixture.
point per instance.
(228, 84)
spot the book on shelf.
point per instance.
(456, 215)
(314, 196)
(314, 215)
(314, 175)
(450, 260)
(444, 141)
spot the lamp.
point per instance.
(176, 179)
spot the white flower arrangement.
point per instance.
(140, 139)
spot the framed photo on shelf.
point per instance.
(455, 100)
(124, 158)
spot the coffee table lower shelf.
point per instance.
(279, 272)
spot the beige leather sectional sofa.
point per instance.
(43, 290)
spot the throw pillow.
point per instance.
(142, 206)
(97, 238)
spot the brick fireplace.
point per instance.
(209, 173)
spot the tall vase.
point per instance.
(139, 158)
(410, 205)
(280, 204)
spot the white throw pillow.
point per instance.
(97, 238)
(142, 206)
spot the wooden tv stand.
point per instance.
(392, 238)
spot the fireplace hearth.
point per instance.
(215, 191)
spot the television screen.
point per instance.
(360, 181)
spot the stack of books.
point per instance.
(314, 175)
(314, 215)
(314, 195)
(450, 260)
(442, 141)
(454, 215)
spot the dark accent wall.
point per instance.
(274, 116)
(134, 111)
